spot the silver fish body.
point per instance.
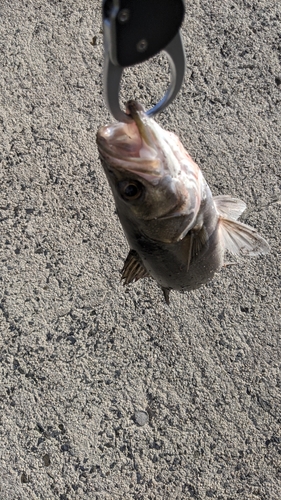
(177, 231)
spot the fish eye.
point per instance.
(130, 190)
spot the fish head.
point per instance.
(156, 185)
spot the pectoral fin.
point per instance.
(195, 241)
(228, 207)
(133, 269)
(240, 239)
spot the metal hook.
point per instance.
(113, 75)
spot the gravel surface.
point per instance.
(106, 392)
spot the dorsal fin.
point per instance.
(228, 207)
(240, 239)
(133, 269)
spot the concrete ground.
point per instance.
(107, 393)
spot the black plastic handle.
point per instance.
(139, 29)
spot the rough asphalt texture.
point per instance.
(106, 392)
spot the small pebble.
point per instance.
(24, 478)
(141, 417)
(65, 447)
(46, 460)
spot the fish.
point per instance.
(178, 232)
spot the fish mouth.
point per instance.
(133, 146)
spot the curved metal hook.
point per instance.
(113, 75)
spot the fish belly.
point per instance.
(170, 266)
